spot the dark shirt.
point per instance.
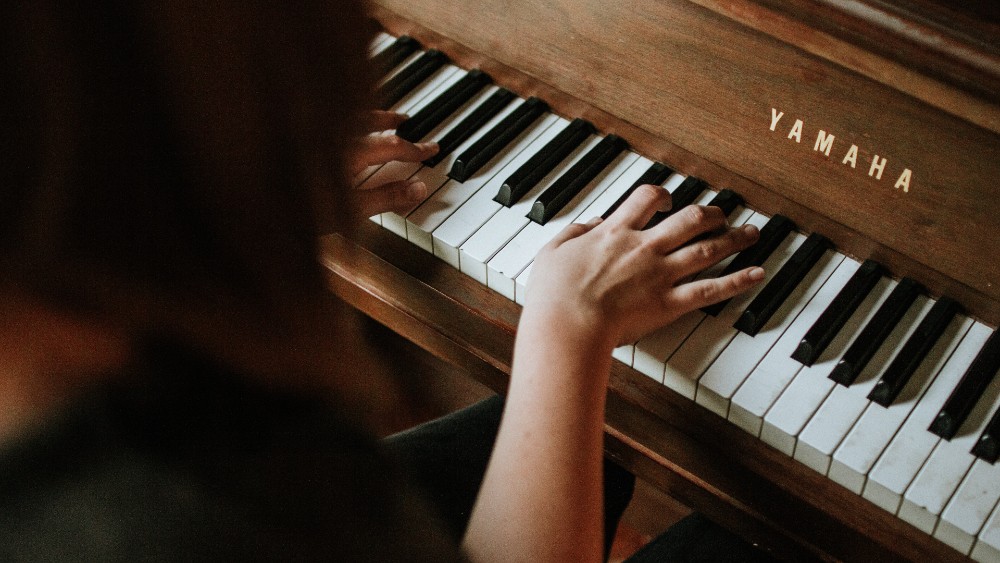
(179, 459)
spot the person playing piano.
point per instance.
(177, 380)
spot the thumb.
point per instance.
(574, 230)
(398, 196)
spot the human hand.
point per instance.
(615, 278)
(381, 148)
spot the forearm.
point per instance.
(541, 499)
(593, 286)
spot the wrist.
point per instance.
(584, 331)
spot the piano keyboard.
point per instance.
(860, 377)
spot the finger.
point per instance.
(381, 120)
(703, 254)
(572, 231)
(686, 224)
(639, 208)
(380, 149)
(395, 196)
(701, 293)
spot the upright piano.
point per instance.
(846, 410)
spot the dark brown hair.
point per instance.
(162, 159)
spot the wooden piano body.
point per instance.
(876, 125)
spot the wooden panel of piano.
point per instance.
(700, 86)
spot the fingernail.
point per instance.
(659, 191)
(428, 146)
(757, 274)
(416, 190)
(751, 230)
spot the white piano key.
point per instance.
(653, 350)
(934, 485)
(427, 90)
(685, 367)
(615, 190)
(511, 260)
(744, 353)
(912, 444)
(805, 394)
(508, 221)
(987, 547)
(521, 285)
(947, 465)
(405, 63)
(875, 429)
(500, 283)
(379, 43)
(478, 209)
(966, 513)
(434, 177)
(766, 382)
(827, 428)
(623, 354)
(439, 205)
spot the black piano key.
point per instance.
(913, 352)
(683, 196)
(655, 174)
(875, 332)
(441, 107)
(838, 312)
(542, 162)
(569, 184)
(472, 123)
(727, 200)
(792, 272)
(393, 90)
(492, 142)
(388, 58)
(988, 446)
(774, 231)
(961, 401)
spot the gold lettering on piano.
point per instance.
(904, 180)
(851, 156)
(878, 165)
(775, 117)
(796, 131)
(825, 142)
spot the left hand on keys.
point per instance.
(379, 148)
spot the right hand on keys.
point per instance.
(612, 276)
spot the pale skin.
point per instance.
(595, 286)
(380, 148)
(592, 288)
